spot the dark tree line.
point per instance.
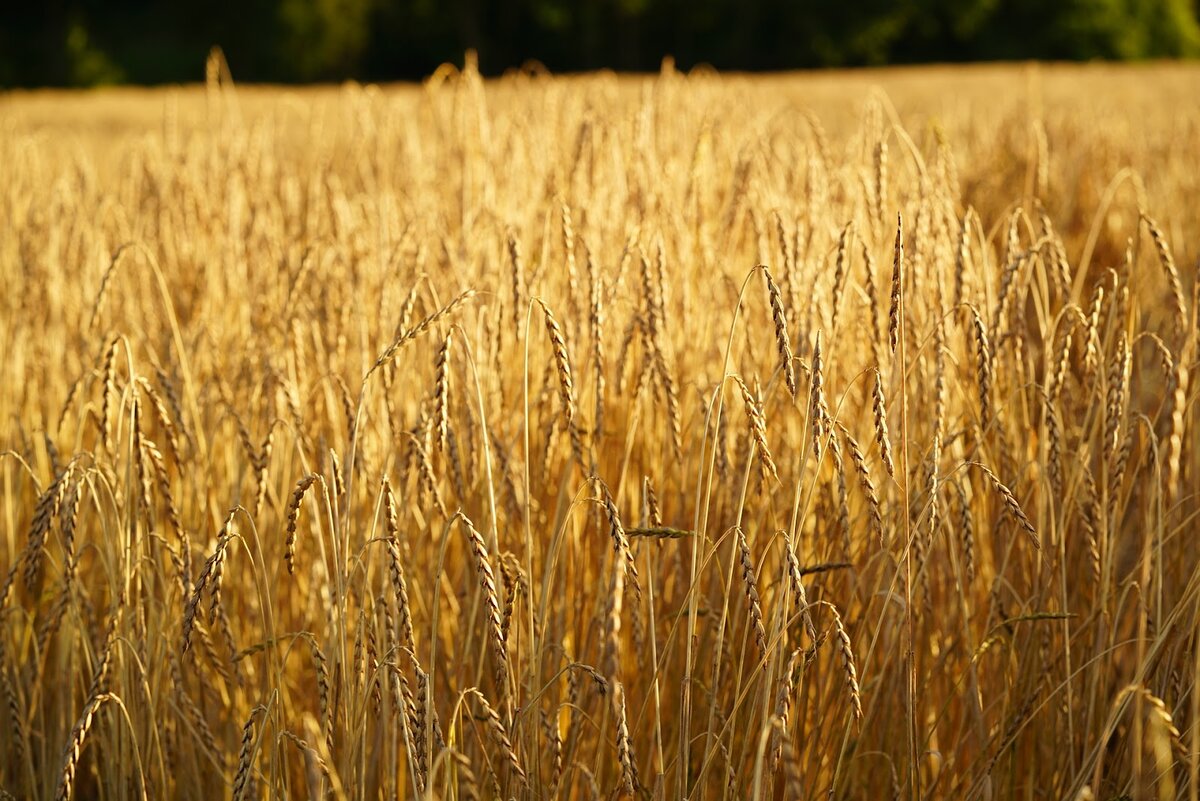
(85, 42)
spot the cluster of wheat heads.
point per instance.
(569, 438)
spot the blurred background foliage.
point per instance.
(90, 42)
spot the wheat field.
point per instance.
(679, 436)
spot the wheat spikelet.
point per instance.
(793, 773)
(848, 664)
(983, 368)
(1176, 431)
(896, 309)
(843, 497)
(43, 517)
(758, 431)
(66, 777)
(1114, 409)
(566, 384)
(420, 328)
(293, 517)
(818, 410)
(16, 715)
(619, 538)
(210, 573)
(321, 666)
(881, 160)
(1093, 324)
(243, 780)
(629, 772)
(750, 584)
(1010, 502)
(874, 509)
(596, 324)
(568, 240)
(554, 739)
(783, 704)
(487, 584)
(782, 341)
(839, 275)
(1168, 265)
(659, 532)
(396, 565)
(962, 254)
(108, 390)
(966, 527)
(309, 752)
(796, 580)
(161, 415)
(496, 729)
(441, 393)
(881, 426)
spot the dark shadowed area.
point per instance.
(92, 42)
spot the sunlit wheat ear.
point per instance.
(1058, 254)
(420, 328)
(568, 241)
(840, 271)
(396, 565)
(782, 342)
(1092, 355)
(896, 308)
(517, 275)
(1168, 265)
(43, 517)
(441, 393)
(758, 430)
(881, 426)
(966, 526)
(783, 704)
(596, 319)
(555, 743)
(863, 472)
(243, 779)
(789, 761)
(66, 777)
(293, 518)
(339, 474)
(962, 255)
(1179, 406)
(629, 772)
(162, 416)
(818, 410)
(104, 666)
(1162, 715)
(750, 586)
(881, 162)
(1114, 409)
(428, 480)
(795, 578)
(653, 513)
(500, 736)
(848, 664)
(108, 391)
(1010, 503)
(619, 538)
(212, 569)
(983, 368)
(321, 667)
(491, 599)
(843, 498)
(566, 383)
(309, 752)
(428, 711)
